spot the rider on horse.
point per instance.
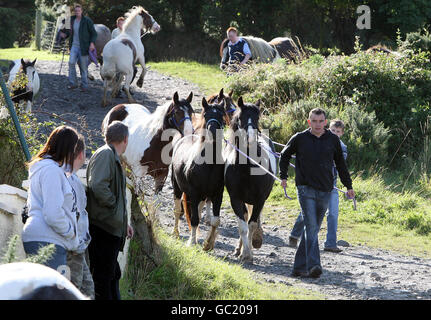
(238, 50)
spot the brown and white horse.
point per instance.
(120, 54)
(151, 135)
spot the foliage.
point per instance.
(35, 134)
(383, 98)
(17, 22)
(8, 28)
(43, 254)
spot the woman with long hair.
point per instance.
(52, 204)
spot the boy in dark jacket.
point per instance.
(106, 206)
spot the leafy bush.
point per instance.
(387, 97)
(8, 27)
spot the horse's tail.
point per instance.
(187, 210)
(108, 70)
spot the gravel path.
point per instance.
(358, 272)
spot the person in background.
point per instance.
(77, 260)
(52, 205)
(81, 41)
(106, 206)
(336, 127)
(119, 28)
(238, 50)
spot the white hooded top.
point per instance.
(51, 206)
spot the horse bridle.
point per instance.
(173, 121)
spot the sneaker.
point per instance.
(333, 249)
(297, 273)
(293, 242)
(315, 272)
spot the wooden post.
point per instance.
(38, 28)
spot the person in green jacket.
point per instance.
(83, 35)
(106, 207)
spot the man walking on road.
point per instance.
(316, 150)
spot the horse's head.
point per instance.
(179, 114)
(213, 114)
(229, 105)
(148, 22)
(247, 119)
(29, 70)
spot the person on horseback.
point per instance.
(238, 50)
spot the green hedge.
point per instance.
(384, 100)
(8, 27)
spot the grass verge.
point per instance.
(188, 273)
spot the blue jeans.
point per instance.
(76, 57)
(58, 259)
(331, 218)
(314, 204)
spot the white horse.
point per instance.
(19, 92)
(120, 54)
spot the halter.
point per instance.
(231, 110)
(216, 121)
(177, 124)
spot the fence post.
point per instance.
(38, 28)
(11, 108)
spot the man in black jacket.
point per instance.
(316, 150)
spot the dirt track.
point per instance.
(358, 272)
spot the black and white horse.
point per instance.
(27, 83)
(32, 281)
(246, 183)
(197, 171)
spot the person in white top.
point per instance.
(52, 204)
(119, 28)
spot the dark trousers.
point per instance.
(103, 251)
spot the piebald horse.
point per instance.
(20, 92)
(197, 170)
(151, 135)
(267, 52)
(246, 183)
(120, 54)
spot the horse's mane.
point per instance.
(131, 15)
(158, 117)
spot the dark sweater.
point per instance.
(315, 157)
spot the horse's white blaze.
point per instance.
(188, 126)
(250, 131)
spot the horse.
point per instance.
(120, 54)
(197, 120)
(245, 182)
(197, 171)
(33, 281)
(23, 70)
(144, 153)
(262, 51)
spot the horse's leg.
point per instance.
(215, 221)
(127, 86)
(208, 214)
(194, 221)
(177, 206)
(201, 206)
(140, 81)
(117, 84)
(105, 93)
(28, 109)
(239, 209)
(255, 236)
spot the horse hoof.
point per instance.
(257, 238)
(246, 259)
(140, 83)
(208, 246)
(176, 234)
(236, 252)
